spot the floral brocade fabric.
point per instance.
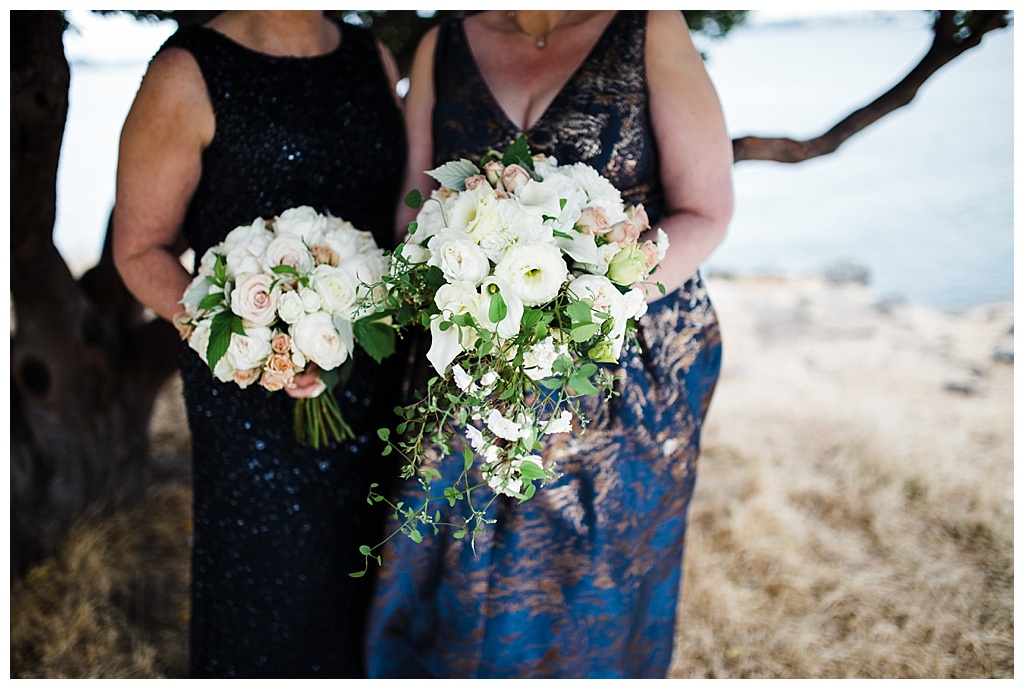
(277, 525)
(582, 580)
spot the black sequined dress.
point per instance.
(581, 580)
(277, 526)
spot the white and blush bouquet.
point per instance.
(529, 275)
(281, 295)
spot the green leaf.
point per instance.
(376, 338)
(414, 199)
(364, 549)
(467, 457)
(582, 385)
(221, 327)
(587, 370)
(584, 331)
(531, 470)
(453, 174)
(497, 310)
(385, 433)
(519, 154)
(580, 311)
(220, 269)
(212, 301)
(549, 383)
(285, 270)
(661, 288)
(416, 536)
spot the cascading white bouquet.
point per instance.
(528, 275)
(279, 295)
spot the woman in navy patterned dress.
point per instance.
(582, 580)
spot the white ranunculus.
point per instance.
(317, 338)
(475, 212)
(458, 257)
(250, 350)
(255, 299)
(534, 270)
(336, 287)
(502, 427)
(635, 303)
(289, 307)
(515, 226)
(598, 190)
(303, 222)
(607, 299)
(288, 250)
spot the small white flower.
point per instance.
(635, 303)
(502, 427)
(488, 379)
(538, 361)
(563, 424)
(463, 379)
(662, 244)
(476, 438)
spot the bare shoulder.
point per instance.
(173, 90)
(668, 34)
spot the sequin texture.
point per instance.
(277, 526)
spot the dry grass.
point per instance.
(853, 517)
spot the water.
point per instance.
(922, 199)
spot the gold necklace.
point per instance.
(539, 40)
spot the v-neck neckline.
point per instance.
(496, 104)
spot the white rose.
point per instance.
(288, 250)
(254, 237)
(319, 341)
(458, 298)
(200, 339)
(250, 350)
(224, 371)
(367, 270)
(458, 257)
(348, 241)
(336, 287)
(290, 308)
(303, 222)
(255, 299)
(244, 260)
(535, 271)
(311, 300)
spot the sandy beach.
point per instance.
(853, 514)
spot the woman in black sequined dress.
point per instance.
(245, 117)
(581, 580)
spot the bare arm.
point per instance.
(419, 109)
(694, 145)
(159, 165)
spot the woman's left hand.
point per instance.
(306, 384)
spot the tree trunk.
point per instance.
(86, 365)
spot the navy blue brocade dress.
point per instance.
(582, 580)
(277, 526)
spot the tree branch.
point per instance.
(954, 35)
